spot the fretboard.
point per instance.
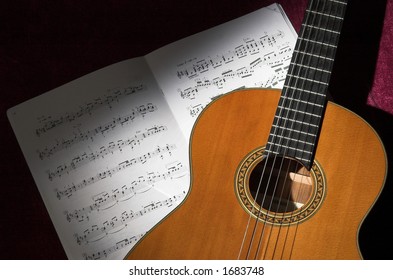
(298, 118)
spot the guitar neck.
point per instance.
(298, 118)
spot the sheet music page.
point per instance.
(107, 156)
(109, 151)
(251, 51)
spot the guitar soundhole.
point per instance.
(288, 192)
(280, 184)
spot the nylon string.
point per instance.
(274, 134)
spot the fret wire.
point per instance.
(303, 101)
(291, 150)
(315, 74)
(312, 73)
(321, 43)
(291, 70)
(315, 55)
(322, 14)
(312, 68)
(339, 2)
(296, 121)
(308, 91)
(323, 29)
(294, 76)
(297, 111)
(288, 147)
(308, 125)
(299, 128)
(296, 131)
(315, 38)
(297, 140)
(311, 80)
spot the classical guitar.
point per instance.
(278, 175)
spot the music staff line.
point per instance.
(114, 96)
(116, 224)
(85, 158)
(142, 184)
(195, 110)
(103, 254)
(139, 111)
(109, 172)
(249, 47)
(283, 55)
(273, 80)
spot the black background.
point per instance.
(45, 44)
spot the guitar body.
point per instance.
(211, 222)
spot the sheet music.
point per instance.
(251, 51)
(107, 156)
(109, 151)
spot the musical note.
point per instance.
(114, 96)
(272, 59)
(248, 48)
(159, 151)
(111, 147)
(106, 200)
(106, 177)
(278, 76)
(118, 223)
(196, 109)
(139, 111)
(104, 253)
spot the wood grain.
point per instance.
(210, 224)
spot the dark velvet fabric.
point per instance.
(46, 43)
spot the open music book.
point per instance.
(109, 151)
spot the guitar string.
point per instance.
(301, 189)
(288, 166)
(260, 182)
(280, 144)
(286, 172)
(322, 88)
(250, 216)
(286, 147)
(280, 167)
